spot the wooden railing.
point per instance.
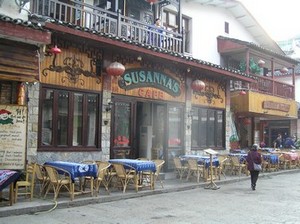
(101, 20)
(268, 86)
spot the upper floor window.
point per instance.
(69, 120)
(227, 27)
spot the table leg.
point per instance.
(11, 194)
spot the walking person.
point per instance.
(253, 157)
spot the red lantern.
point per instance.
(115, 69)
(198, 85)
(55, 50)
(243, 92)
(247, 121)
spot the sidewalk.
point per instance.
(171, 184)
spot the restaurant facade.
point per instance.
(103, 88)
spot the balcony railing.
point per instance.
(101, 20)
(267, 85)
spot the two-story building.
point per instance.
(112, 84)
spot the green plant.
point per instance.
(234, 138)
(253, 67)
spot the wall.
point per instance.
(208, 23)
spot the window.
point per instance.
(175, 124)
(207, 128)
(227, 27)
(69, 120)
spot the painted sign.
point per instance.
(13, 123)
(137, 78)
(276, 106)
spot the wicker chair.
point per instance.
(158, 164)
(59, 178)
(125, 176)
(194, 169)
(238, 167)
(180, 169)
(41, 177)
(102, 177)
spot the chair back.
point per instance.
(193, 164)
(177, 163)
(159, 164)
(52, 173)
(120, 170)
(30, 173)
(40, 172)
(235, 160)
(102, 168)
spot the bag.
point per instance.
(257, 167)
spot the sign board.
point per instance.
(13, 126)
(210, 151)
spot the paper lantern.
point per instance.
(242, 92)
(55, 50)
(284, 70)
(115, 69)
(151, 1)
(198, 85)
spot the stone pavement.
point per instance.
(171, 184)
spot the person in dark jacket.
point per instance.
(253, 156)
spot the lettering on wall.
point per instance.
(137, 78)
(271, 105)
(13, 123)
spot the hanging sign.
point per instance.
(13, 123)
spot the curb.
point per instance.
(171, 185)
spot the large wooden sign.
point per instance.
(13, 123)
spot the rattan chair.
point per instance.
(125, 176)
(194, 169)
(156, 176)
(181, 170)
(102, 177)
(41, 177)
(59, 178)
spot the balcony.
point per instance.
(105, 21)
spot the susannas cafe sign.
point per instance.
(137, 78)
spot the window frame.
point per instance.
(69, 146)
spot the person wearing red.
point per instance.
(253, 156)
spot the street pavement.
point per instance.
(276, 200)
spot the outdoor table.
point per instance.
(139, 166)
(242, 156)
(271, 158)
(291, 156)
(202, 160)
(77, 171)
(8, 178)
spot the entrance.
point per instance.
(151, 123)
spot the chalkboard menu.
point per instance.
(13, 124)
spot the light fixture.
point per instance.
(139, 58)
(115, 69)
(261, 63)
(198, 85)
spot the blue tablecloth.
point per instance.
(138, 165)
(272, 158)
(242, 156)
(76, 169)
(202, 160)
(8, 177)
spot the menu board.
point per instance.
(13, 124)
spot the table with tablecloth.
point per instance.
(8, 178)
(139, 166)
(242, 156)
(77, 171)
(202, 160)
(271, 158)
